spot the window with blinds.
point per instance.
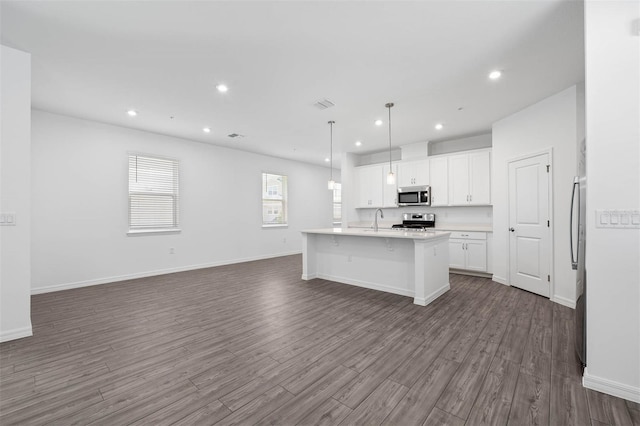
(274, 200)
(153, 193)
(337, 203)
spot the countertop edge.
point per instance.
(382, 233)
(444, 227)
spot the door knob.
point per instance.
(512, 230)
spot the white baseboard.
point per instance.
(500, 280)
(557, 299)
(564, 301)
(470, 273)
(433, 296)
(610, 387)
(365, 284)
(106, 280)
(17, 333)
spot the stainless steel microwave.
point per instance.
(414, 196)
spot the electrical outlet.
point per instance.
(349, 258)
(7, 219)
(172, 250)
(284, 240)
(620, 219)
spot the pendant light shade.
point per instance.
(391, 177)
(331, 184)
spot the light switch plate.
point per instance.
(619, 219)
(7, 219)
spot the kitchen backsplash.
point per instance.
(449, 215)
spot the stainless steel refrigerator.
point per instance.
(577, 237)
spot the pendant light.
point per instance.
(331, 184)
(391, 178)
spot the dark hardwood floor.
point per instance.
(254, 344)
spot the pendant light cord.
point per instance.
(331, 150)
(331, 185)
(389, 106)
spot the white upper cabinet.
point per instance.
(413, 173)
(462, 179)
(439, 180)
(480, 178)
(369, 189)
(459, 179)
(470, 179)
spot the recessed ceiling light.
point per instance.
(439, 126)
(222, 88)
(494, 75)
(132, 113)
(206, 130)
(358, 143)
(326, 160)
(378, 122)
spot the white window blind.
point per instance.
(274, 199)
(153, 193)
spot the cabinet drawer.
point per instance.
(469, 235)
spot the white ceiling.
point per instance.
(97, 59)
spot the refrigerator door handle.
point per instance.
(574, 261)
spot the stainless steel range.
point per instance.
(417, 221)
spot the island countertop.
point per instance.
(409, 263)
(381, 233)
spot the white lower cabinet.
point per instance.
(468, 251)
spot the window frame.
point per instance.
(175, 195)
(284, 202)
(334, 203)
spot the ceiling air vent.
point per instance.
(235, 135)
(324, 104)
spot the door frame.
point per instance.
(548, 151)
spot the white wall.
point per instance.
(551, 123)
(613, 171)
(15, 194)
(80, 205)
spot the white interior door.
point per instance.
(529, 236)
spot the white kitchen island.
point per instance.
(414, 264)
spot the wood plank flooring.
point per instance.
(254, 344)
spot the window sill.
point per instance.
(278, 225)
(140, 232)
